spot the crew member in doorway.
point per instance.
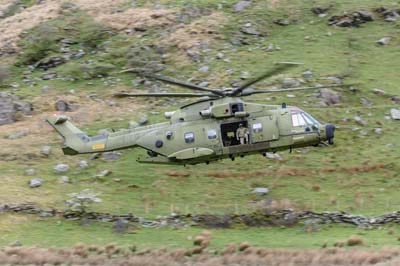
(242, 134)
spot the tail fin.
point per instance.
(75, 141)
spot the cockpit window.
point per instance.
(302, 119)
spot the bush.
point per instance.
(81, 202)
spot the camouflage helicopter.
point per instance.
(219, 125)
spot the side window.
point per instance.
(189, 137)
(257, 128)
(212, 134)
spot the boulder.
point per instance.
(379, 92)
(65, 106)
(329, 96)
(35, 182)
(395, 114)
(45, 151)
(360, 121)
(50, 62)
(23, 107)
(83, 164)
(61, 168)
(241, 5)
(290, 83)
(281, 22)
(7, 109)
(308, 74)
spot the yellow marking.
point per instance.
(99, 146)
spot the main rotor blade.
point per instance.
(250, 91)
(162, 94)
(175, 82)
(281, 67)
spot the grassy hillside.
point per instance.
(359, 174)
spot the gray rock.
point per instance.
(64, 180)
(241, 5)
(30, 171)
(366, 102)
(332, 80)
(16, 244)
(365, 15)
(204, 69)
(360, 121)
(395, 114)
(383, 41)
(83, 164)
(250, 31)
(290, 95)
(395, 98)
(308, 74)
(45, 89)
(61, 168)
(329, 96)
(111, 156)
(7, 109)
(379, 92)
(103, 173)
(23, 107)
(378, 131)
(45, 151)
(260, 190)
(290, 83)
(203, 84)
(143, 119)
(274, 156)
(65, 106)
(35, 182)
(49, 76)
(281, 22)
(17, 135)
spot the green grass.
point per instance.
(341, 171)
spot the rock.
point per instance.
(45, 151)
(365, 15)
(250, 31)
(366, 102)
(30, 171)
(388, 15)
(379, 92)
(241, 5)
(395, 98)
(111, 156)
(17, 135)
(320, 10)
(50, 62)
(143, 119)
(203, 84)
(7, 109)
(378, 131)
(204, 69)
(329, 96)
(16, 244)
(395, 114)
(383, 41)
(290, 95)
(260, 190)
(274, 156)
(281, 22)
(35, 182)
(64, 106)
(24, 107)
(332, 80)
(49, 76)
(103, 173)
(61, 168)
(308, 74)
(64, 180)
(83, 164)
(290, 83)
(45, 89)
(360, 121)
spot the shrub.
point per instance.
(355, 241)
(81, 202)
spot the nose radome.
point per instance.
(330, 133)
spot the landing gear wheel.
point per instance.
(330, 141)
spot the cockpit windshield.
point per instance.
(301, 118)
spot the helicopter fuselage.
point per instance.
(206, 131)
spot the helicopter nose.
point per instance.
(329, 131)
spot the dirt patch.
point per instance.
(12, 27)
(138, 17)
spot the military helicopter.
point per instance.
(219, 125)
